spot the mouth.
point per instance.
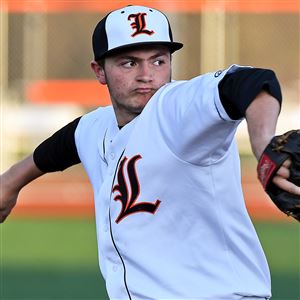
(145, 91)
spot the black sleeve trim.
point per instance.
(238, 89)
(59, 151)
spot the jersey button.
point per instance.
(112, 155)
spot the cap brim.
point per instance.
(173, 46)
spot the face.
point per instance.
(133, 77)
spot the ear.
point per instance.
(99, 71)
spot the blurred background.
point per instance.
(48, 244)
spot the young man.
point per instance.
(162, 160)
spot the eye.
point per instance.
(128, 63)
(159, 62)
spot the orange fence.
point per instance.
(87, 92)
(90, 93)
(191, 6)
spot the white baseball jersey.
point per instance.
(170, 214)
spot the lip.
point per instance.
(144, 90)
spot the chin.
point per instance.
(139, 106)
(138, 109)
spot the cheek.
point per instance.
(114, 79)
(121, 85)
(163, 78)
(164, 74)
(117, 85)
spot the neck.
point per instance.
(124, 118)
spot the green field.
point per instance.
(57, 259)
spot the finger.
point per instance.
(287, 163)
(283, 172)
(286, 185)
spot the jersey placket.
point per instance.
(115, 266)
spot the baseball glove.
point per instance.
(281, 148)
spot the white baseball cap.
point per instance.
(132, 26)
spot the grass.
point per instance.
(281, 243)
(51, 259)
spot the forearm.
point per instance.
(261, 116)
(20, 174)
(56, 153)
(12, 181)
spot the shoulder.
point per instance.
(101, 114)
(91, 131)
(203, 80)
(94, 123)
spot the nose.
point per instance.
(145, 73)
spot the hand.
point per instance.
(279, 172)
(281, 179)
(8, 197)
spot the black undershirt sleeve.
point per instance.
(59, 151)
(238, 89)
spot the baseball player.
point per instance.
(170, 215)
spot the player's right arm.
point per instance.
(56, 153)
(13, 180)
